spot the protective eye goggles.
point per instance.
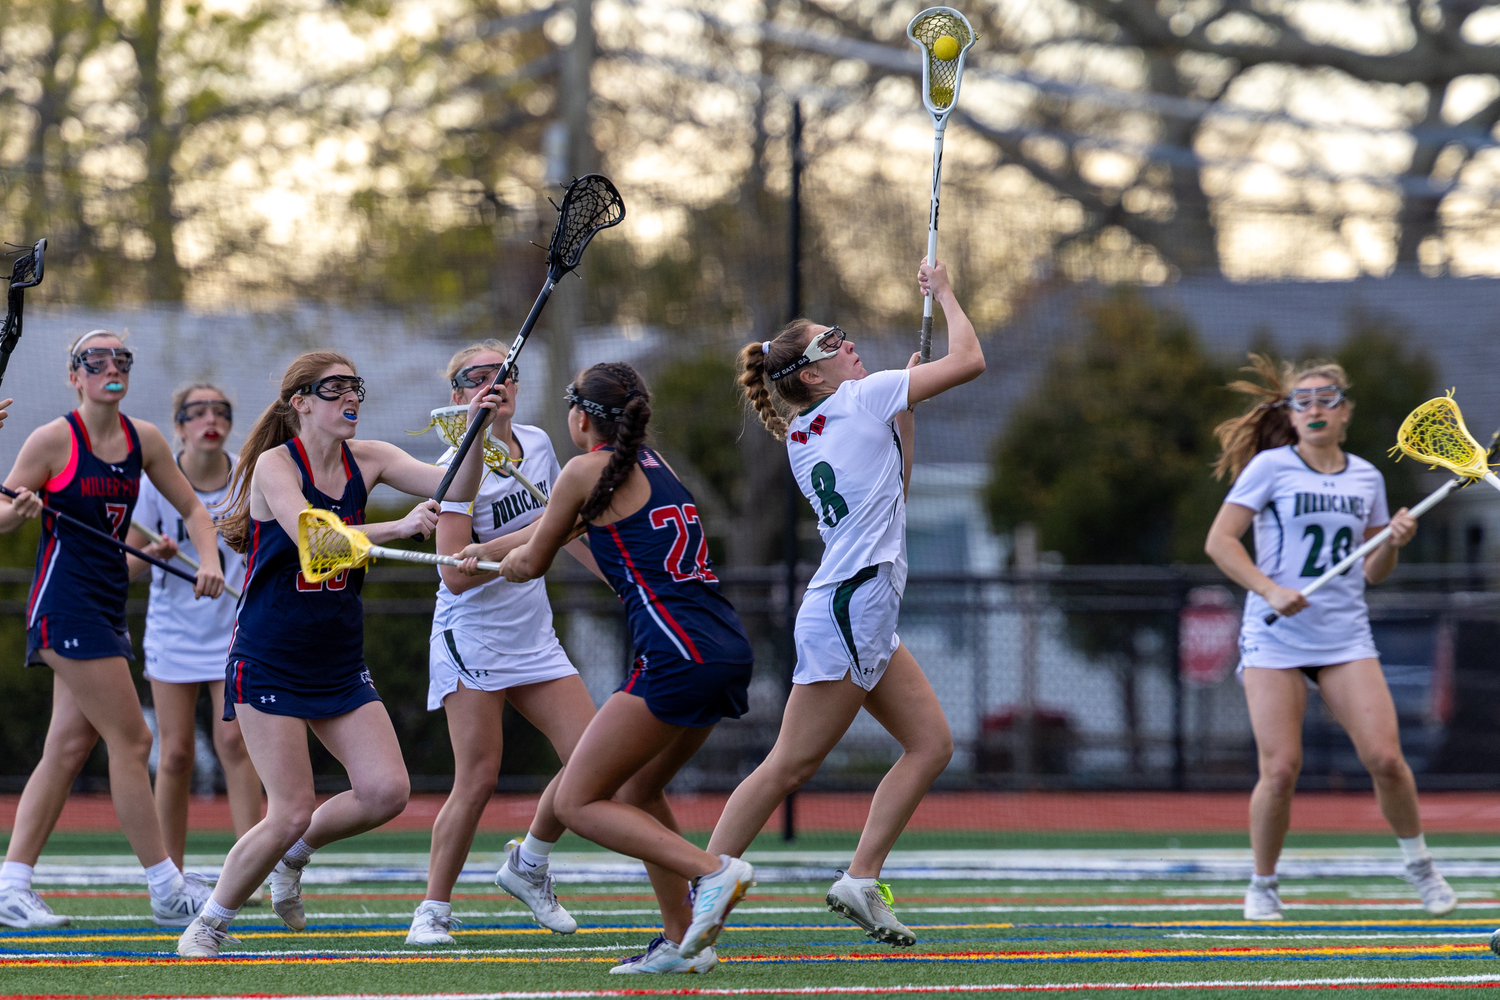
(94, 359)
(335, 387)
(195, 410)
(1326, 396)
(825, 345)
(476, 375)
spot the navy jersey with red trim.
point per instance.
(283, 619)
(657, 561)
(77, 573)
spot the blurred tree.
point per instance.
(1389, 376)
(1109, 456)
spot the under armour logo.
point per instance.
(364, 676)
(70, 644)
(267, 698)
(117, 470)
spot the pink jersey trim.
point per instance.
(63, 478)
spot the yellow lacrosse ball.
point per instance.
(945, 48)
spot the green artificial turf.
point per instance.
(962, 927)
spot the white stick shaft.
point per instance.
(1490, 478)
(513, 470)
(1432, 500)
(138, 526)
(932, 209)
(430, 558)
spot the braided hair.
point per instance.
(769, 398)
(1266, 424)
(617, 401)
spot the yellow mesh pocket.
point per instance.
(326, 546)
(452, 423)
(1434, 433)
(942, 74)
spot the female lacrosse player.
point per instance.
(296, 660)
(692, 666)
(847, 458)
(187, 642)
(88, 464)
(1311, 503)
(493, 640)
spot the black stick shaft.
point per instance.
(472, 434)
(106, 536)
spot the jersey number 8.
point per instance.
(823, 481)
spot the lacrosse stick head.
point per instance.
(326, 546)
(590, 204)
(940, 77)
(26, 272)
(1434, 434)
(452, 423)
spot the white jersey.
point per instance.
(846, 456)
(1305, 522)
(186, 640)
(511, 616)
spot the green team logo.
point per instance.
(823, 482)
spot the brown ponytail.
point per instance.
(766, 397)
(614, 385)
(1266, 424)
(277, 425)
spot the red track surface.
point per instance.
(1442, 812)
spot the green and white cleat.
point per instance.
(867, 902)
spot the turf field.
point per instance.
(1094, 919)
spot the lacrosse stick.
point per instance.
(1433, 433)
(25, 273)
(451, 422)
(944, 36)
(106, 536)
(138, 526)
(327, 546)
(590, 204)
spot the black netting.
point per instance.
(591, 204)
(941, 76)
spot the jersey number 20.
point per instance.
(1343, 542)
(336, 582)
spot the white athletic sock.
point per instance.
(1263, 881)
(533, 852)
(163, 879)
(300, 851)
(1414, 849)
(15, 875)
(224, 913)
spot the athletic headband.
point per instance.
(92, 333)
(598, 410)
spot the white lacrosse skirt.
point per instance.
(482, 664)
(848, 628)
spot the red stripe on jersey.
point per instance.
(641, 582)
(348, 469)
(239, 681)
(41, 576)
(83, 430)
(635, 675)
(44, 632)
(129, 438)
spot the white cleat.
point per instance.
(713, 897)
(432, 923)
(662, 955)
(179, 909)
(1437, 895)
(26, 910)
(203, 938)
(536, 889)
(870, 907)
(1262, 903)
(286, 893)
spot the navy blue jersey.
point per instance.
(79, 574)
(657, 561)
(283, 619)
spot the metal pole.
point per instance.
(793, 494)
(1179, 690)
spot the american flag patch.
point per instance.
(648, 461)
